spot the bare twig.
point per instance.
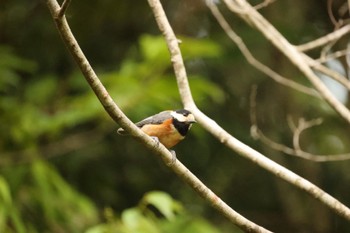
(176, 59)
(325, 70)
(239, 147)
(187, 99)
(263, 4)
(301, 127)
(254, 18)
(253, 61)
(116, 114)
(334, 55)
(333, 36)
(257, 134)
(206, 122)
(330, 13)
(64, 8)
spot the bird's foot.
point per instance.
(173, 153)
(156, 139)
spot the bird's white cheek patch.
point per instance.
(179, 117)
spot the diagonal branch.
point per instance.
(176, 57)
(186, 95)
(257, 134)
(253, 61)
(263, 4)
(113, 110)
(334, 55)
(331, 37)
(325, 70)
(231, 142)
(253, 17)
(64, 8)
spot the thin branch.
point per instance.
(334, 36)
(257, 134)
(325, 70)
(334, 55)
(301, 127)
(176, 57)
(255, 19)
(206, 122)
(242, 149)
(253, 61)
(64, 8)
(325, 50)
(337, 23)
(263, 4)
(185, 92)
(119, 117)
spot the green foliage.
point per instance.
(34, 196)
(10, 65)
(41, 201)
(9, 217)
(157, 212)
(48, 112)
(142, 86)
(148, 84)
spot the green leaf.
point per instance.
(135, 222)
(59, 202)
(10, 220)
(163, 202)
(5, 195)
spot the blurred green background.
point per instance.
(63, 168)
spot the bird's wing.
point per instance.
(153, 120)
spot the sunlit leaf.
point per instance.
(163, 202)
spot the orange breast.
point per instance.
(166, 133)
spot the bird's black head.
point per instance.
(184, 112)
(183, 120)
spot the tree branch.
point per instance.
(334, 55)
(325, 70)
(263, 4)
(231, 142)
(176, 57)
(331, 37)
(253, 61)
(253, 17)
(113, 110)
(186, 95)
(257, 134)
(64, 8)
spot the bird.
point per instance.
(167, 127)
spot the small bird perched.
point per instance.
(168, 127)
